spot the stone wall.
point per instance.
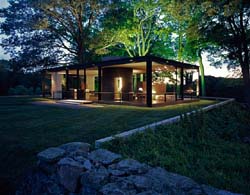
(72, 169)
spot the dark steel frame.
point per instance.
(147, 59)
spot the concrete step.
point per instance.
(74, 102)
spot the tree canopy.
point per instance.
(132, 26)
(228, 24)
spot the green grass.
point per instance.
(207, 147)
(26, 129)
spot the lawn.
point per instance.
(208, 147)
(26, 129)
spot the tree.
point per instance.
(60, 31)
(136, 27)
(177, 17)
(27, 45)
(196, 43)
(183, 18)
(228, 24)
(74, 24)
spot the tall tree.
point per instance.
(178, 16)
(74, 24)
(196, 42)
(183, 20)
(228, 24)
(26, 44)
(39, 29)
(136, 27)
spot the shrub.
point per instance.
(38, 91)
(20, 90)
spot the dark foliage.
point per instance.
(28, 46)
(225, 87)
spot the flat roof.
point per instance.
(125, 61)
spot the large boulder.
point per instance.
(95, 178)
(76, 148)
(116, 189)
(140, 182)
(150, 192)
(69, 171)
(104, 157)
(166, 182)
(51, 155)
(128, 166)
(84, 161)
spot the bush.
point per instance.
(38, 91)
(225, 87)
(20, 90)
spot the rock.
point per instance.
(86, 190)
(149, 193)
(70, 162)
(84, 161)
(123, 182)
(116, 189)
(76, 148)
(116, 172)
(53, 188)
(95, 178)
(69, 172)
(104, 156)
(129, 166)
(209, 190)
(87, 165)
(161, 181)
(140, 182)
(186, 184)
(51, 154)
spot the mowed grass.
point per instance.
(208, 147)
(26, 129)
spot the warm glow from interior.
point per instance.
(120, 83)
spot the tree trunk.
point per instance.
(179, 55)
(245, 64)
(246, 80)
(203, 84)
(81, 62)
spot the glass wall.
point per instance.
(139, 87)
(163, 84)
(127, 84)
(191, 83)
